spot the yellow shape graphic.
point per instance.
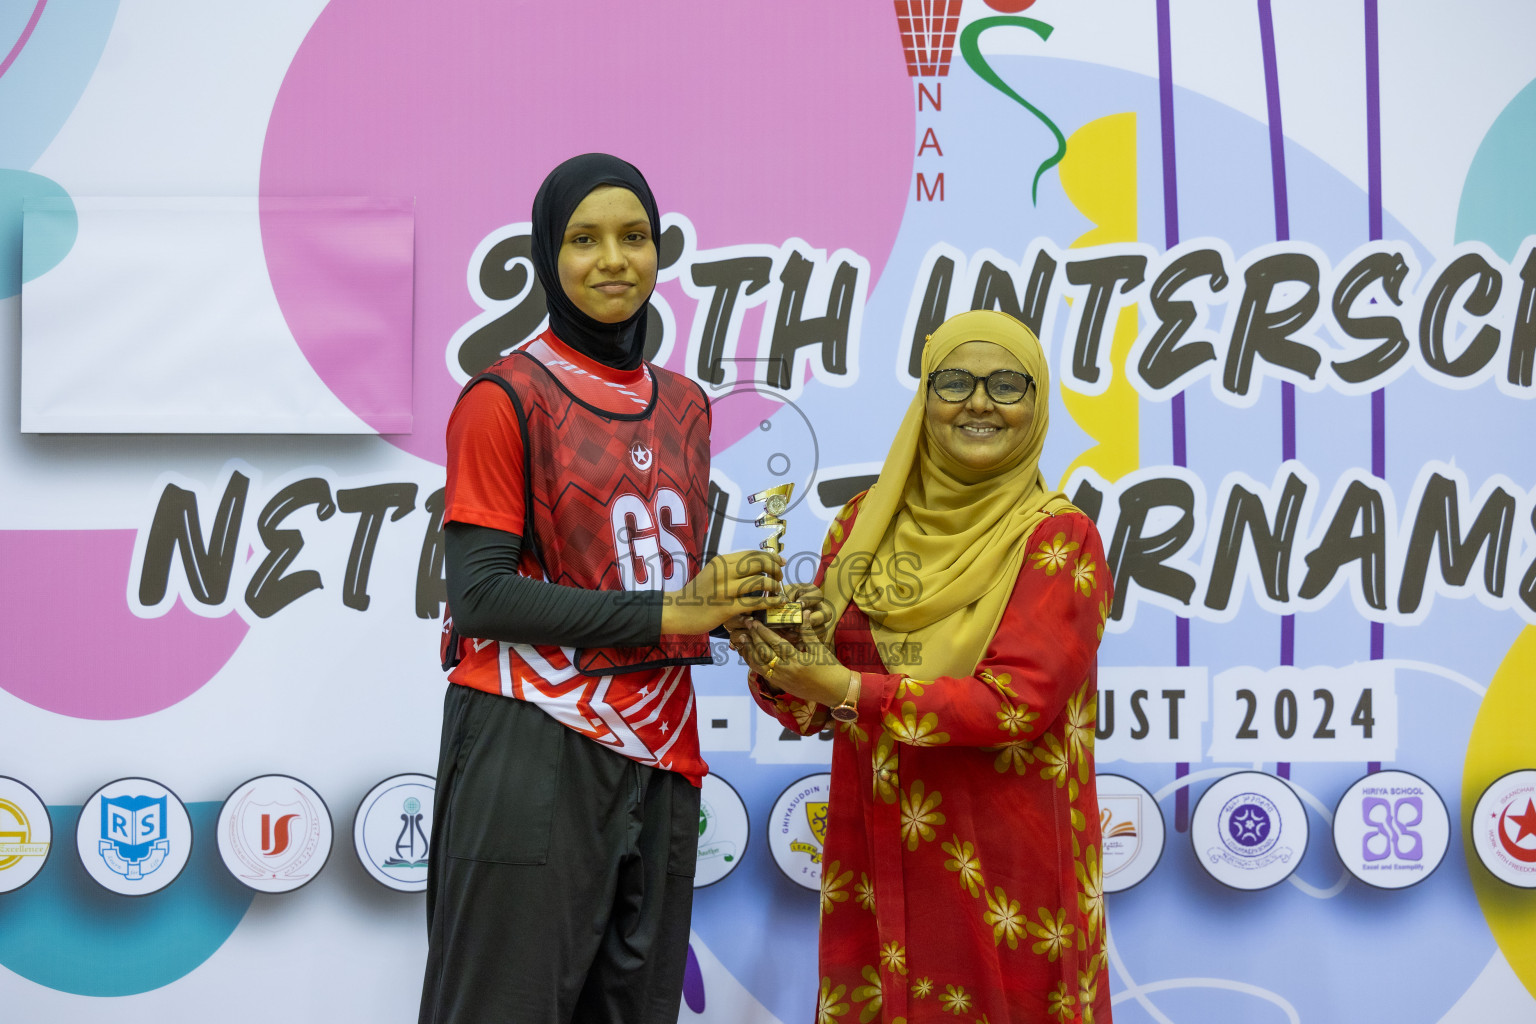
(1098, 176)
(816, 815)
(1502, 742)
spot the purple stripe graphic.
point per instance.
(1373, 192)
(1165, 111)
(1373, 119)
(1276, 130)
(1282, 234)
(1171, 239)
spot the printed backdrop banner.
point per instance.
(1281, 259)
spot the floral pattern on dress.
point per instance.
(870, 994)
(829, 1004)
(1053, 556)
(920, 815)
(951, 788)
(1061, 1002)
(886, 762)
(955, 1000)
(864, 892)
(999, 682)
(1015, 718)
(832, 886)
(1004, 917)
(1090, 894)
(963, 859)
(915, 731)
(1082, 576)
(1016, 757)
(1054, 933)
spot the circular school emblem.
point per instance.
(274, 833)
(1504, 829)
(134, 836)
(1249, 830)
(723, 831)
(26, 834)
(392, 829)
(797, 829)
(1391, 830)
(1133, 830)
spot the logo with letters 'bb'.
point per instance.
(134, 836)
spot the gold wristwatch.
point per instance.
(848, 710)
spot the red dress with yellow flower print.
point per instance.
(961, 877)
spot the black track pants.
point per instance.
(561, 874)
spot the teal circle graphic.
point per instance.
(24, 256)
(66, 932)
(1498, 205)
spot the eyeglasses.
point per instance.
(1004, 387)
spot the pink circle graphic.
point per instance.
(109, 663)
(759, 122)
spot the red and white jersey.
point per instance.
(605, 475)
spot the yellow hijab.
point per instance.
(947, 542)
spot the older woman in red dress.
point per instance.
(961, 877)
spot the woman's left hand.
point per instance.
(805, 667)
(816, 611)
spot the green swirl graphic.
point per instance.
(970, 49)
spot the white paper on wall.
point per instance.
(163, 318)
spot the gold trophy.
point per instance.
(775, 501)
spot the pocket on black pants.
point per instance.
(503, 799)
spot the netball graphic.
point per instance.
(928, 34)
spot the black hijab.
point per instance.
(618, 345)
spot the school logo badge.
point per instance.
(134, 836)
(1249, 830)
(274, 833)
(816, 815)
(1133, 830)
(1391, 830)
(797, 828)
(391, 831)
(1504, 829)
(723, 831)
(640, 455)
(26, 834)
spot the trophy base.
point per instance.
(791, 614)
